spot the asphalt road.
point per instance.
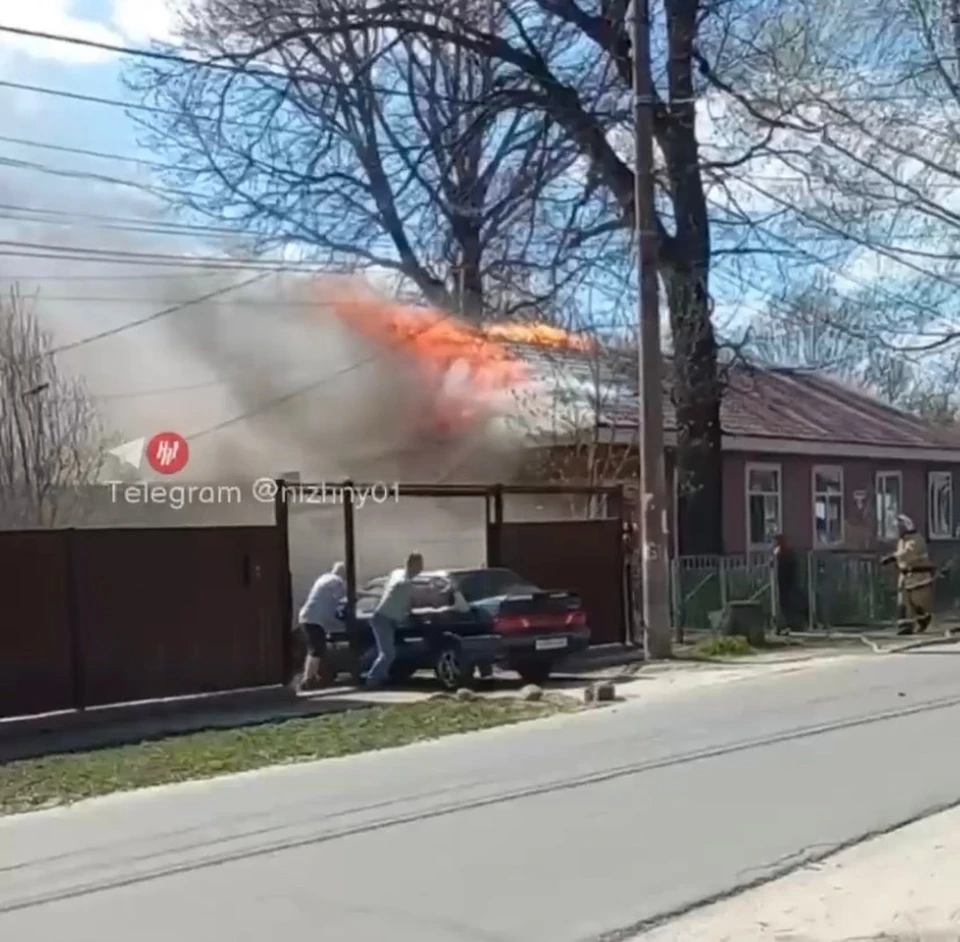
(555, 832)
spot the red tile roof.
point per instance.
(799, 404)
(776, 403)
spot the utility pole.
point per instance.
(653, 492)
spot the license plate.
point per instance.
(550, 644)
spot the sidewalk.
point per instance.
(879, 640)
(22, 738)
(902, 887)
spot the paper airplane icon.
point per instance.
(130, 453)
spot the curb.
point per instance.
(911, 645)
(601, 657)
(758, 660)
(101, 717)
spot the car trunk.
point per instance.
(540, 612)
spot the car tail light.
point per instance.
(509, 623)
(512, 623)
(577, 619)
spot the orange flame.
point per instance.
(466, 367)
(541, 335)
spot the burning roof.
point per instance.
(469, 369)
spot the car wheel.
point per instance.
(451, 670)
(535, 672)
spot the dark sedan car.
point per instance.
(475, 618)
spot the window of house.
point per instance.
(889, 502)
(827, 506)
(763, 503)
(940, 505)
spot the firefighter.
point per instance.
(915, 579)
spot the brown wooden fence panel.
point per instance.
(171, 612)
(583, 556)
(36, 658)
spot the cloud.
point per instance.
(143, 21)
(56, 16)
(131, 22)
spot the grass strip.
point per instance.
(722, 646)
(61, 779)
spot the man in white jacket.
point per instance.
(318, 616)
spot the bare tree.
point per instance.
(853, 115)
(817, 328)
(559, 69)
(365, 147)
(51, 439)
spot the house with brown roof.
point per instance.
(828, 465)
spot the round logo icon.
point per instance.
(168, 452)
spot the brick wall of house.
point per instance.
(797, 494)
(797, 498)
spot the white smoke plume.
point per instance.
(262, 380)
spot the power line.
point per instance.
(16, 249)
(84, 279)
(280, 75)
(183, 263)
(40, 215)
(159, 391)
(119, 49)
(793, 177)
(218, 63)
(173, 309)
(77, 299)
(723, 181)
(108, 102)
(13, 163)
(384, 147)
(83, 152)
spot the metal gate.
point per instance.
(99, 616)
(585, 556)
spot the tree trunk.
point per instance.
(685, 266)
(469, 290)
(696, 393)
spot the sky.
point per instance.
(86, 125)
(228, 374)
(258, 381)
(41, 187)
(189, 372)
(210, 372)
(82, 70)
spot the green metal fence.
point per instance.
(842, 590)
(703, 585)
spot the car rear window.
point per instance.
(431, 592)
(489, 583)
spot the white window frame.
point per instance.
(882, 534)
(747, 493)
(837, 471)
(933, 476)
